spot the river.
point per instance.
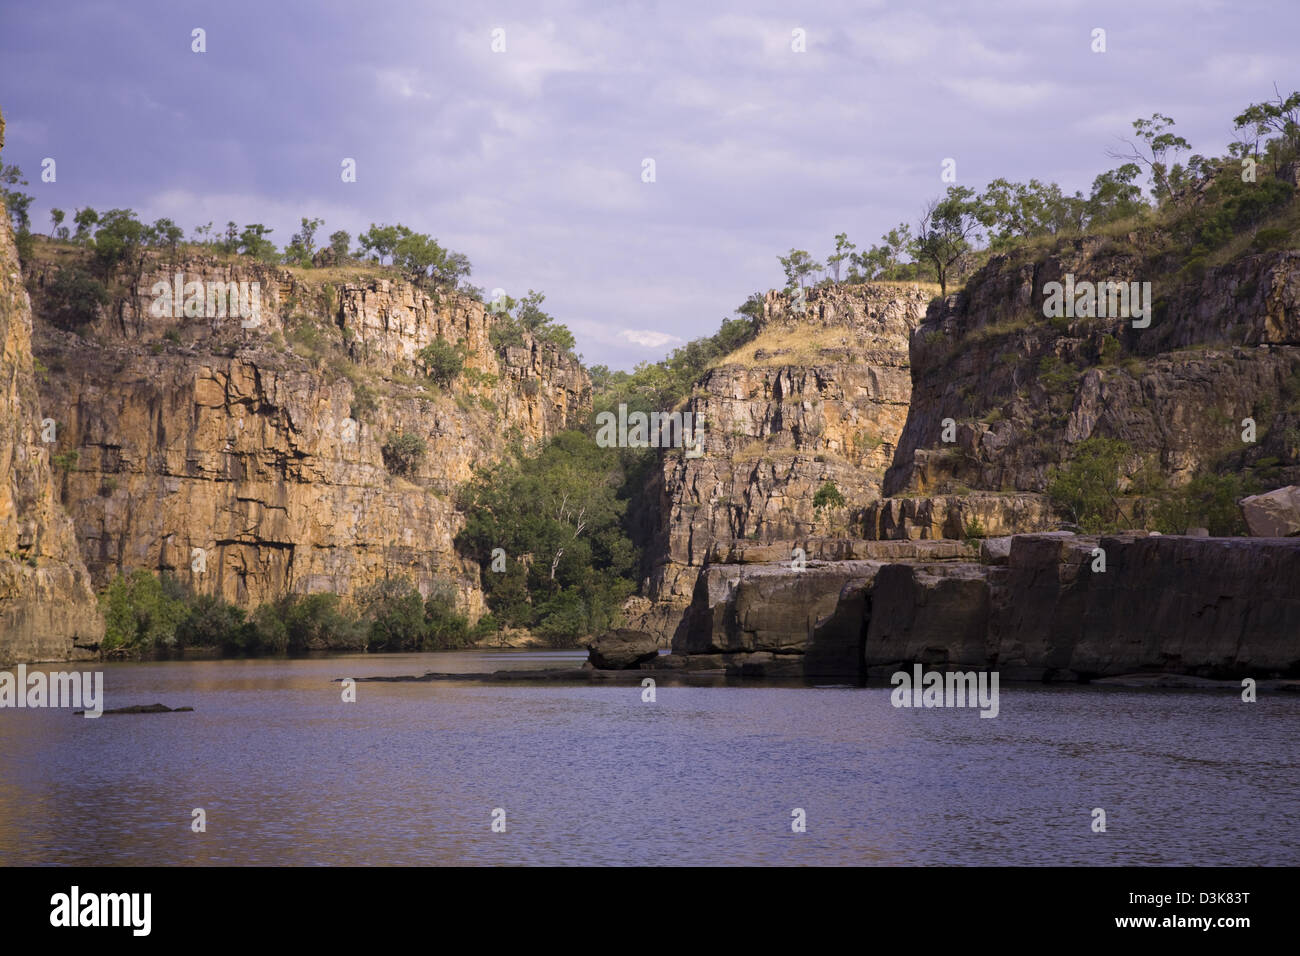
(288, 773)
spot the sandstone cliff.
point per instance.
(819, 396)
(1021, 389)
(248, 458)
(47, 609)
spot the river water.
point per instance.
(287, 773)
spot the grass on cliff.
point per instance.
(787, 345)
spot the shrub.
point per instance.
(74, 298)
(443, 361)
(363, 401)
(403, 452)
(140, 614)
(828, 496)
(395, 615)
(1086, 487)
(1208, 501)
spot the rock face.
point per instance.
(1273, 515)
(1021, 389)
(47, 609)
(622, 649)
(820, 396)
(1221, 608)
(250, 459)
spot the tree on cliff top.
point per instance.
(947, 231)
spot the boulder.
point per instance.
(1275, 514)
(622, 649)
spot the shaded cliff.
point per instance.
(47, 609)
(1022, 390)
(254, 458)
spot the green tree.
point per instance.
(56, 220)
(394, 612)
(167, 234)
(1087, 487)
(16, 201)
(339, 243)
(1115, 195)
(946, 232)
(378, 242)
(74, 298)
(443, 361)
(799, 267)
(140, 614)
(85, 220)
(1160, 148)
(843, 252)
(302, 244)
(253, 242)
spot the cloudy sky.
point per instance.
(530, 159)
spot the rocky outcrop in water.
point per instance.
(1052, 607)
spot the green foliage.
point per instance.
(140, 614)
(559, 519)
(147, 615)
(516, 317)
(890, 260)
(1208, 501)
(1056, 375)
(395, 613)
(947, 231)
(253, 242)
(73, 299)
(442, 361)
(396, 618)
(799, 267)
(416, 254)
(119, 241)
(364, 401)
(1086, 488)
(1016, 211)
(1109, 350)
(15, 201)
(403, 452)
(302, 245)
(975, 530)
(339, 244)
(66, 461)
(828, 496)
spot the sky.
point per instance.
(530, 158)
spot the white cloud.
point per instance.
(648, 339)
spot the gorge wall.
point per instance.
(47, 609)
(1017, 393)
(250, 461)
(1023, 390)
(819, 396)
